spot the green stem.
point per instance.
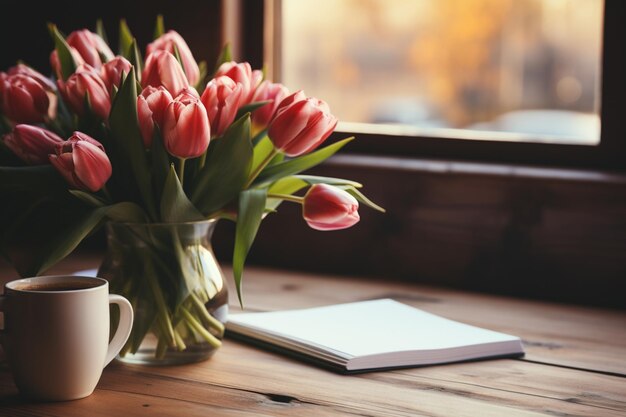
(163, 314)
(180, 344)
(261, 166)
(212, 340)
(212, 321)
(287, 197)
(181, 170)
(161, 347)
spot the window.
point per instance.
(528, 67)
(526, 79)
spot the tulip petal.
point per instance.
(92, 167)
(288, 124)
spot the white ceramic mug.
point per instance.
(56, 334)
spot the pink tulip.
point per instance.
(56, 64)
(81, 160)
(91, 47)
(301, 125)
(26, 99)
(221, 98)
(32, 144)
(289, 100)
(44, 81)
(151, 106)
(329, 208)
(241, 73)
(111, 72)
(171, 41)
(86, 82)
(162, 68)
(275, 92)
(186, 130)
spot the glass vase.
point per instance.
(170, 275)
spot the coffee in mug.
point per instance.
(56, 334)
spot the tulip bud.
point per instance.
(301, 126)
(329, 208)
(44, 81)
(275, 92)
(171, 41)
(289, 100)
(91, 47)
(221, 98)
(241, 73)
(56, 64)
(111, 72)
(32, 144)
(151, 106)
(86, 82)
(186, 130)
(81, 160)
(26, 99)
(162, 68)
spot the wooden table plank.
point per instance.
(240, 380)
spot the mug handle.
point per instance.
(123, 328)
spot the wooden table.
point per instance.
(575, 364)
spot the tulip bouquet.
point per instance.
(123, 139)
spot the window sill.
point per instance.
(432, 166)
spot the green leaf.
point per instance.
(312, 179)
(287, 186)
(226, 169)
(59, 246)
(128, 143)
(160, 163)
(100, 30)
(126, 40)
(296, 165)
(136, 59)
(251, 208)
(175, 206)
(178, 57)
(363, 199)
(68, 66)
(225, 56)
(249, 108)
(159, 27)
(262, 150)
(126, 212)
(87, 198)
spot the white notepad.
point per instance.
(371, 335)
